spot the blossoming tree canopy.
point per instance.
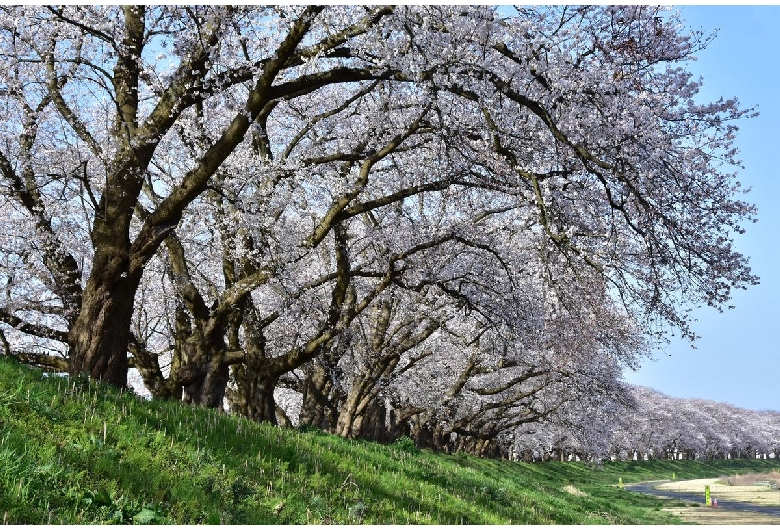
(239, 189)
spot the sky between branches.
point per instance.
(736, 360)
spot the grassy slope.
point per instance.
(73, 452)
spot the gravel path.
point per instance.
(648, 488)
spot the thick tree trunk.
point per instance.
(254, 395)
(316, 408)
(349, 422)
(204, 371)
(372, 424)
(363, 416)
(99, 337)
(208, 388)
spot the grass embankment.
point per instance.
(75, 452)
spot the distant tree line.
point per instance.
(655, 426)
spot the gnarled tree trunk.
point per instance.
(254, 394)
(99, 338)
(100, 335)
(317, 409)
(204, 371)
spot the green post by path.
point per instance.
(707, 498)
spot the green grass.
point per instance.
(74, 452)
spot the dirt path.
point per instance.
(703, 515)
(751, 494)
(763, 508)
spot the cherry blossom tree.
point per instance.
(471, 218)
(110, 84)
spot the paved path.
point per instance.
(648, 488)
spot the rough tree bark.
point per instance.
(319, 405)
(100, 335)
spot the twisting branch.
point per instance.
(59, 364)
(36, 330)
(339, 204)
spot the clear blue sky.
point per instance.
(736, 360)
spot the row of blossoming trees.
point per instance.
(652, 426)
(445, 222)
